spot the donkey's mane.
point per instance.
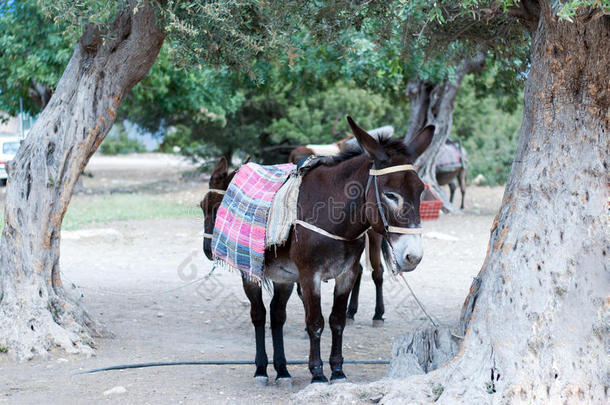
(392, 146)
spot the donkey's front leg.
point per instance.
(281, 294)
(258, 314)
(343, 286)
(310, 289)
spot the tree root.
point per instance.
(32, 327)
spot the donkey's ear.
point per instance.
(230, 177)
(420, 142)
(219, 174)
(369, 144)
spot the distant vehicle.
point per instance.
(9, 145)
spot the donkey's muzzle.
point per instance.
(408, 251)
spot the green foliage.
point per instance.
(33, 53)
(170, 96)
(568, 10)
(117, 142)
(488, 133)
(320, 118)
(218, 32)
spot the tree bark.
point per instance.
(536, 319)
(538, 328)
(434, 104)
(36, 313)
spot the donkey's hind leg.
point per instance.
(462, 183)
(254, 292)
(353, 300)
(375, 252)
(452, 187)
(310, 289)
(281, 294)
(336, 321)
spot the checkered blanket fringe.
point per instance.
(238, 240)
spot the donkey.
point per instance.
(339, 200)
(454, 175)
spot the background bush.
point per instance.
(118, 143)
(487, 131)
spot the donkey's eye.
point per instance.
(392, 196)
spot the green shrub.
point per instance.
(320, 118)
(118, 143)
(488, 133)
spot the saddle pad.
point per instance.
(239, 233)
(448, 158)
(283, 211)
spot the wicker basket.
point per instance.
(430, 205)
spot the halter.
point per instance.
(217, 191)
(373, 173)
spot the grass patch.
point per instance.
(101, 209)
(3, 349)
(124, 207)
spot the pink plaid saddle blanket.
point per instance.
(239, 233)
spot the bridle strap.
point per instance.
(391, 169)
(386, 226)
(404, 231)
(326, 233)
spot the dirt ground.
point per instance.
(149, 283)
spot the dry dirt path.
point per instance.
(121, 275)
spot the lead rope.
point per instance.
(386, 227)
(417, 300)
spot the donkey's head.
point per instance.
(393, 192)
(219, 182)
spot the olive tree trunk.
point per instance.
(434, 104)
(36, 313)
(538, 314)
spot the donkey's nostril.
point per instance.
(413, 259)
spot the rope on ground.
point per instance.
(436, 324)
(103, 291)
(210, 363)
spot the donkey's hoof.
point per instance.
(377, 323)
(319, 379)
(261, 380)
(349, 321)
(284, 382)
(338, 378)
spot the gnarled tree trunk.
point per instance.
(538, 313)
(36, 313)
(434, 104)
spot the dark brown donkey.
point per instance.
(457, 175)
(342, 197)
